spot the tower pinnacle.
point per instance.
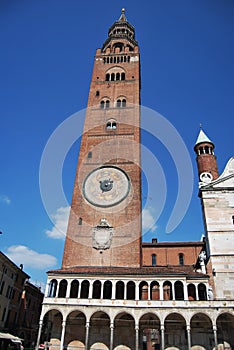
(123, 17)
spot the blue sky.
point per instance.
(47, 51)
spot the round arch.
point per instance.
(75, 330)
(225, 331)
(175, 331)
(99, 329)
(149, 326)
(52, 322)
(124, 331)
(201, 332)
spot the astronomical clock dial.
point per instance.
(106, 186)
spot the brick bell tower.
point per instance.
(104, 226)
(206, 159)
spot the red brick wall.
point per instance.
(169, 255)
(120, 148)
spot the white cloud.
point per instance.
(21, 254)
(5, 199)
(148, 221)
(60, 220)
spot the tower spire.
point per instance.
(123, 18)
(122, 32)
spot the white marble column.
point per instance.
(113, 291)
(125, 290)
(188, 336)
(79, 289)
(102, 288)
(68, 289)
(196, 289)
(160, 291)
(62, 335)
(162, 336)
(173, 290)
(47, 288)
(111, 335)
(137, 291)
(90, 290)
(87, 336)
(39, 333)
(137, 337)
(185, 291)
(215, 336)
(148, 292)
(57, 290)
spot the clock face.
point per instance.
(206, 177)
(106, 186)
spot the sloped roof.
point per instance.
(169, 270)
(202, 137)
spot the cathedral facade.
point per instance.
(113, 291)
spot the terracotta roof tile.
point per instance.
(170, 270)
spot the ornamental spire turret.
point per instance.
(121, 31)
(206, 159)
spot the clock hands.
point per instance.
(106, 185)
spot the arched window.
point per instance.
(191, 292)
(112, 76)
(167, 290)
(121, 103)
(143, 290)
(202, 292)
(131, 290)
(154, 291)
(84, 289)
(119, 294)
(52, 288)
(107, 77)
(62, 289)
(104, 104)
(118, 103)
(108, 126)
(181, 259)
(111, 126)
(74, 289)
(122, 76)
(97, 290)
(107, 290)
(117, 76)
(80, 221)
(179, 290)
(153, 259)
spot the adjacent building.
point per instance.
(20, 302)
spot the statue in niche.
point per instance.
(202, 259)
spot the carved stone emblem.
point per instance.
(102, 235)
